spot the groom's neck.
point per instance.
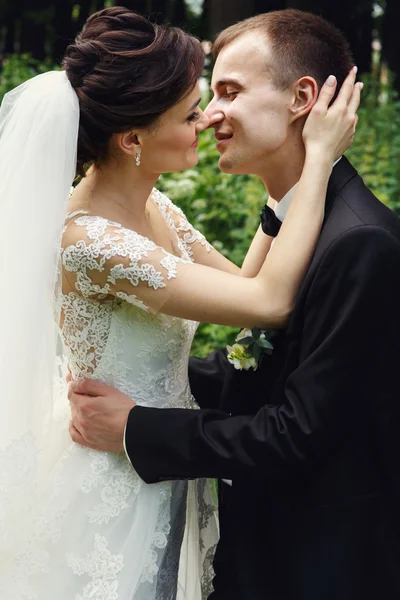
(282, 173)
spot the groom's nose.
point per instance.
(214, 114)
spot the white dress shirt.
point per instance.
(282, 207)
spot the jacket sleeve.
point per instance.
(206, 378)
(348, 363)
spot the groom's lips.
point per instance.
(222, 139)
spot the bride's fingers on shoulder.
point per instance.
(346, 91)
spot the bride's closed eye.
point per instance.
(193, 117)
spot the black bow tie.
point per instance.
(270, 224)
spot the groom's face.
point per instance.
(250, 114)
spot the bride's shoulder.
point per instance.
(85, 233)
(164, 203)
(80, 223)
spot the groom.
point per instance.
(311, 440)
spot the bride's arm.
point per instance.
(256, 254)
(205, 294)
(115, 261)
(204, 253)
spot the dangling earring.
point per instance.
(138, 154)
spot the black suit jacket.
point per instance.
(311, 439)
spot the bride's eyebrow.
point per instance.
(194, 105)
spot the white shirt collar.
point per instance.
(282, 207)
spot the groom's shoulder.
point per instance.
(355, 206)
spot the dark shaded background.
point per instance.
(43, 28)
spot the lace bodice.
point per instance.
(94, 529)
(111, 323)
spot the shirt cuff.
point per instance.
(124, 442)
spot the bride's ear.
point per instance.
(305, 94)
(128, 142)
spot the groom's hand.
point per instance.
(99, 415)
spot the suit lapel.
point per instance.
(341, 175)
(246, 391)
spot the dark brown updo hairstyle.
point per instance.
(127, 72)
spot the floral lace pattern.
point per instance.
(109, 240)
(151, 566)
(177, 221)
(117, 480)
(102, 567)
(96, 513)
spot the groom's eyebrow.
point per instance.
(228, 81)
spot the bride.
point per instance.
(112, 282)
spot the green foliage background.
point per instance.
(226, 208)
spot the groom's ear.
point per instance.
(304, 96)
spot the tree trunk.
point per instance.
(64, 28)
(87, 7)
(143, 7)
(391, 39)
(223, 13)
(178, 15)
(262, 6)
(10, 14)
(354, 19)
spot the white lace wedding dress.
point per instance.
(99, 531)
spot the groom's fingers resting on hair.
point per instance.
(99, 415)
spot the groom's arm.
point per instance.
(206, 378)
(349, 360)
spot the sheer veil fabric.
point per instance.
(38, 145)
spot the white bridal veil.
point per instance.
(38, 143)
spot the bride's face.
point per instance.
(171, 145)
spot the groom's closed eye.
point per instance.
(231, 94)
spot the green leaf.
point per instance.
(246, 341)
(265, 344)
(256, 352)
(255, 333)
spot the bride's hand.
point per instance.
(330, 129)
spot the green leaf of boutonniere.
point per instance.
(264, 343)
(246, 341)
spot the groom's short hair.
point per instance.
(302, 44)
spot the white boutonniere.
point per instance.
(250, 345)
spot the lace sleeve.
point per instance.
(101, 258)
(193, 242)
